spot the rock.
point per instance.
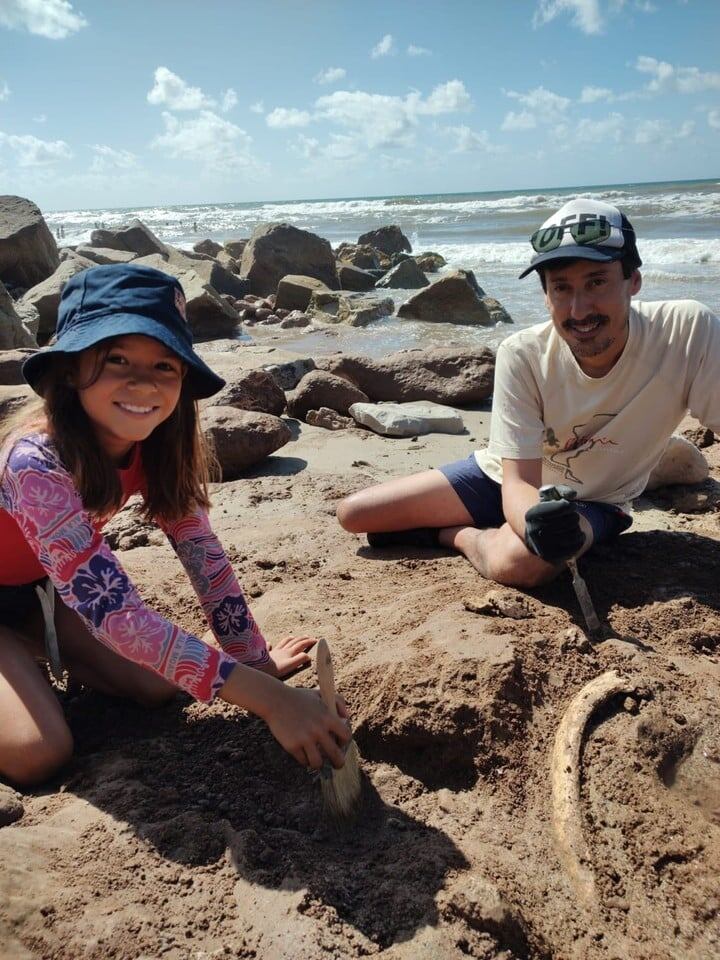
(14, 398)
(456, 377)
(45, 296)
(294, 291)
(701, 436)
(681, 462)
(29, 317)
(28, 252)
(242, 438)
(11, 362)
(221, 280)
(11, 805)
(407, 419)
(353, 309)
(103, 255)
(288, 375)
(136, 237)
(430, 262)
(388, 240)
(321, 389)
(235, 248)
(13, 331)
(210, 247)
(208, 314)
(453, 298)
(296, 318)
(328, 419)
(498, 313)
(407, 275)
(500, 603)
(66, 253)
(227, 262)
(359, 255)
(353, 278)
(278, 249)
(250, 390)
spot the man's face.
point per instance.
(589, 303)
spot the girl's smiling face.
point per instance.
(137, 388)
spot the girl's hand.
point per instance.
(288, 655)
(303, 725)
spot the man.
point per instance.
(588, 400)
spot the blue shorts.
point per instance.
(482, 498)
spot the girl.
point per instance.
(119, 416)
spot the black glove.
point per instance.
(552, 530)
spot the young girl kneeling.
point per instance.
(119, 416)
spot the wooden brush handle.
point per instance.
(326, 678)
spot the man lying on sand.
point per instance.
(588, 400)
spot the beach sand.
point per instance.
(187, 832)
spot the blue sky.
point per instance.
(120, 102)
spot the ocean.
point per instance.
(677, 224)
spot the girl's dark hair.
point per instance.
(177, 461)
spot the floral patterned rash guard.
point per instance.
(39, 494)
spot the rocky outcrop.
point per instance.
(250, 390)
(443, 375)
(407, 275)
(13, 332)
(227, 262)
(210, 247)
(430, 262)
(294, 292)
(389, 240)
(454, 298)
(28, 252)
(104, 255)
(353, 309)
(321, 389)
(242, 438)
(353, 278)
(235, 248)
(136, 237)
(278, 249)
(407, 419)
(45, 296)
(359, 255)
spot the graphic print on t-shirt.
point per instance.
(584, 438)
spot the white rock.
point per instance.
(407, 419)
(681, 462)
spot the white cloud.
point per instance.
(384, 47)
(288, 117)
(662, 132)
(257, 107)
(106, 158)
(331, 75)
(4, 91)
(609, 129)
(469, 141)
(541, 106)
(32, 152)
(713, 119)
(40, 118)
(666, 76)
(413, 51)
(229, 100)
(54, 19)
(586, 14)
(306, 147)
(593, 94)
(213, 142)
(518, 121)
(645, 6)
(171, 91)
(446, 98)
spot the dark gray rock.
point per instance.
(407, 275)
(278, 249)
(28, 252)
(389, 240)
(136, 237)
(210, 247)
(454, 298)
(354, 278)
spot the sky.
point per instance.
(114, 103)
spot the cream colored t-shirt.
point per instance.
(604, 436)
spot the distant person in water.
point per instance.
(119, 416)
(587, 399)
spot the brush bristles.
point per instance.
(341, 789)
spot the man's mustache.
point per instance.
(592, 318)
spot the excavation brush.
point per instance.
(582, 593)
(340, 788)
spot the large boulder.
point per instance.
(454, 298)
(457, 377)
(103, 255)
(28, 252)
(407, 419)
(242, 438)
(45, 296)
(227, 262)
(359, 255)
(430, 262)
(407, 275)
(11, 362)
(294, 292)
(136, 237)
(277, 249)
(250, 390)
(210, 247)
(220, 279)
(321, 389)
(388, 239)
(13, 331)
(353, 309)
(235, 248)
(353, 278)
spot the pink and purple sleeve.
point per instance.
(217, 588)
(40, 495)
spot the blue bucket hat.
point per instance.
(118, 300)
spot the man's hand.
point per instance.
(288, 655)
(552, 531)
